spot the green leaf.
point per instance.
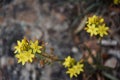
(91, 7)
(109, 76)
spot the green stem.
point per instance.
(100, 52)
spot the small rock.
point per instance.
(75, 49)
(109, 42)
(112, 62)
(3, 61)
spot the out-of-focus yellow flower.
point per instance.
(69, 62)
(75, 70)
(25, 56)
(21, 58)
(30, 56)
(78, 68)
(71, 72)
(102, 30)
(92, 30)
(21, 46)
(35, 47)
(96, 26)
(27, 50)
(92, 20)
(116, 2)
(95, 20)
(18, 48)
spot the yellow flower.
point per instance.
(75, 70)
(92, 30)
(101, 20)
(18, 48)
(95, 20)
(116, 2)
(35, 46)
(71, 72)
(78, 68)
(96, 26)
(102, 30)
(25, 56)
(21, 58)
(92, 20)
(21, 46)
(69, 62)
(29, 55)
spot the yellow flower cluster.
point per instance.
(69, 62)
(116, 2)
(26, 50)
(96, 26)
(74, 68)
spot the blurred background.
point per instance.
(60, 23)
